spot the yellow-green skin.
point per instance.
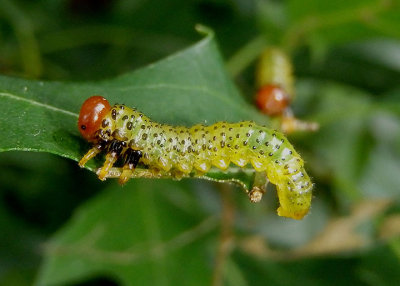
(182, 149)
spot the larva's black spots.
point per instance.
(114, 114)
(169, 150)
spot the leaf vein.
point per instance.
(33, 102)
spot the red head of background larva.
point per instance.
(271, 99)
(92, 112)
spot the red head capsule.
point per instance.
(92, 112)
(271, 99)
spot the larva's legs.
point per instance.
(115, 149)
(91, 153)
(132, 158)
(259, 187)
(111, 158)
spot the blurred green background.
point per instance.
(61, 226)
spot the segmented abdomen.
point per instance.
(199, 147)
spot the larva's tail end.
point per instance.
(290, 214)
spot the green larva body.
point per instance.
(164, 147)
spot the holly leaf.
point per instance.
(186, 88)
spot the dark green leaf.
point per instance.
(184, 89)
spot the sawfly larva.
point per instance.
(275, 90)
(274, 80)
(126, 133)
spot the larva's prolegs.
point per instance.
(177, 152)
(259, 187)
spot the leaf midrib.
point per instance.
(36, 103)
